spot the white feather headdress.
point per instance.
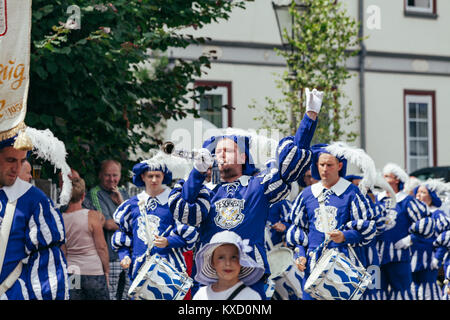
(179, 167)
(437, 185)
(262, 148)
(397, 171)
(358, 157)
(383, 184)
(49, 148)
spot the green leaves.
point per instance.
(82, 83)
(323, 33)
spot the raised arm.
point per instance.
(189, 201)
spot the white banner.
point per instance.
(15, 32)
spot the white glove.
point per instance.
(434, 264)
(313, 100)
(203, 160)
(404, 243)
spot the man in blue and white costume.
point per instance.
(393, 243)
(441, 254)
(380, 209)
(32, 265)
(241, 202)
(169, 238)
(332, 209)
(424, 286)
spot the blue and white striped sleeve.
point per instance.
(189, 201)
(423, 227)
(122, 239)
(442, 245)
(416, 210)
(183, 236)
(361, 229)
(297, 233)
(46, 265)
(293, 159)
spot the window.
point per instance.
(215, 104)
(420, 7)
(420, 130)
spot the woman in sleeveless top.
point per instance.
(85, 249)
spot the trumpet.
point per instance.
(168, 147)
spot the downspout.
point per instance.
(362, 61)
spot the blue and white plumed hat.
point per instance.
(398, 172)
(251, 271)
(44, 145)
(171, 167)
(345, 153)
(435, 187)
(257, 147)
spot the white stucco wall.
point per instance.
(413, 35)
(385, 115)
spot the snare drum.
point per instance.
(285, 275)
(157, 279)
(335, 277)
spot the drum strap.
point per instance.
(236, 292)
(143, 211)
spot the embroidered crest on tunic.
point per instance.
(391, 219)
(325, 218)
(153, 222)
(229, 212)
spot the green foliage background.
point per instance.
(324, 37)
(86, 85)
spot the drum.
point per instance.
(335, 277)
(157, 279)
(285, 275)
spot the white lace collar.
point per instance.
(163, 197)
(339, 188)
(16, 190)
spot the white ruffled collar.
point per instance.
(163, 197)
(339, 188)
(399, 196)
(16, 190)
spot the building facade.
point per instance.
(400, 89)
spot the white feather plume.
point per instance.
(411, 184)
(179, 167)
(49, 148)
(383, 184)
(359, 158)
(262, 148)
(437, 185)
(397, 171)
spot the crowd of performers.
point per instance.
(398, 234)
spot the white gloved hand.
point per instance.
(203, 160)
(313, 100)
(404, 243)
(434, 264)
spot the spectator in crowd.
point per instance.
(106, 197)
(85, 249)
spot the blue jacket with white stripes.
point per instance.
(35, 238)
(131, 239)
(242, 206)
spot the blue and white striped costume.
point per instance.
(424, 286)
(442, 254)
(278, 212)
(396, 276)
(371, 251)
(131, 237)
(243, 205)
(37, 232)
(345, 207)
